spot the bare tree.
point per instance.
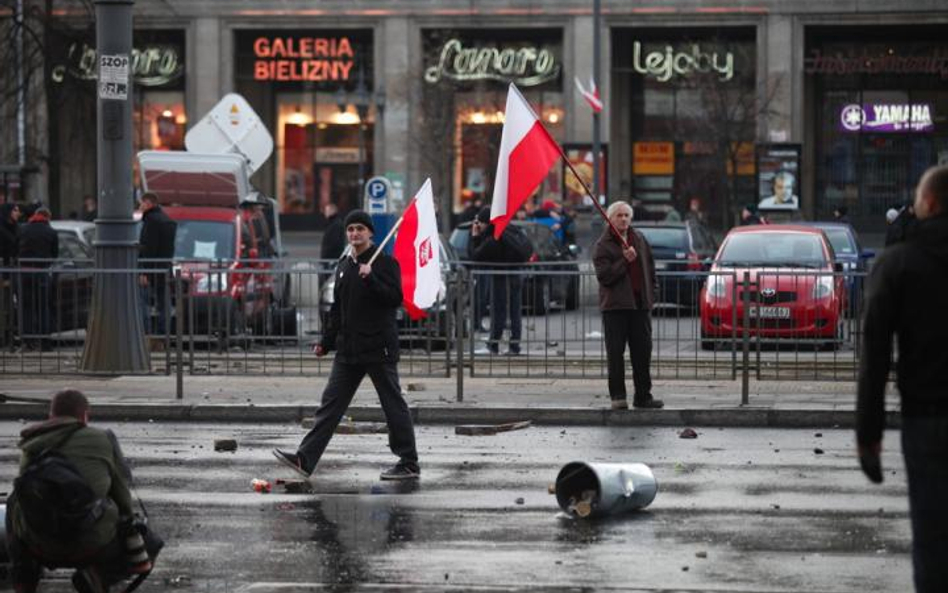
(732, 110)
(35, 40)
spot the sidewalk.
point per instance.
(239, 398)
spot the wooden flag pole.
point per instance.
(595, 199)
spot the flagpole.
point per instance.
(595, 200)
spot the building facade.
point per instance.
(831, 104)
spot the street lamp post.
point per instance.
(597, 142)
(115, 339)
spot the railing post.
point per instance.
(179, 338)
(459, 326)
(745, 370)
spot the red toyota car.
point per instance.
(796, 292)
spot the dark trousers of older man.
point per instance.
(925, 447)
(632, 328)
(343, 382)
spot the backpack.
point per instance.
(517, 244)
(55, 499)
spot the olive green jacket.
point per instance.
(91, 451)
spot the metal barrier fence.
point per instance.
(253, 318)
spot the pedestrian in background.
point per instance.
(904, 298)
(749, 215)
(695, 213)
(90, 210)
(38, 246)
(334, 234)
(627, 289)
(9, 248)
(506, 284)
(363, 331)
(841, 214)
(903, 225)
(156, 248)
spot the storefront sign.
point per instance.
(313, 59)
(337, 154)
(663, 65)
(151, 65)
(886, 117)
(523, 65)
(653, 158)
(840, 65)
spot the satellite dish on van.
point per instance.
(232, 126)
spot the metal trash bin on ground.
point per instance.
(591, 490)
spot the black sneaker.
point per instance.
(650, 403)
(291, 460)
(400, 472)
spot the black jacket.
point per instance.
(362, 327)
(157, 238)
(905, 297)
(334, 239)
(8, 236)
(485, 248)
(38, 240)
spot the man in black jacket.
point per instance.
(905, 298)
(156, 243)
(506, 283)
(9, 248)
(362, 329)
(38, 246)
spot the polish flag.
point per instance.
(591, 95)
(527, 151)
(418, 253)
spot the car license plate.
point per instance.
(661, 265)
(770, 312)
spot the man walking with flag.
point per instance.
(362, 329)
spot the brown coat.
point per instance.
(612, 271)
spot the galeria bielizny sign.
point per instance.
(523, 65)
(312, 59)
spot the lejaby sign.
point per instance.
(669, 62)
(525, 65)
(302, 58)
(886, 117)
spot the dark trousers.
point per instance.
(633, 328)
(481, 297)
(506, 296)
(26, 564)
(925, 447)
(343, 382)
(37, 315)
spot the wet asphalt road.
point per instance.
(737, 510)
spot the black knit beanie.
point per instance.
(359, 217)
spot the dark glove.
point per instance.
(871, 465)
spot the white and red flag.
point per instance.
(527, 151)
(418, 252)
(591, 95)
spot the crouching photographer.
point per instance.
(71, 505)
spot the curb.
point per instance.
(277, 413)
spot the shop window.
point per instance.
(319, 158)
(160, 121)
